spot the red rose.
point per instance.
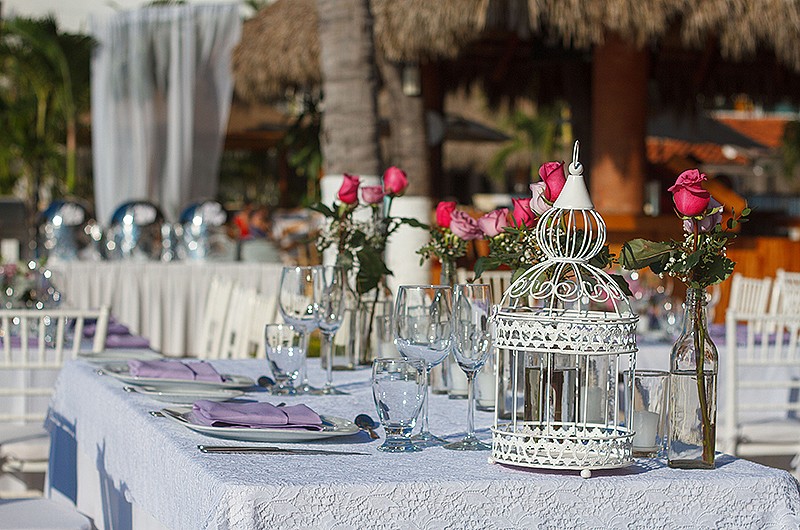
(688, 195)
(395, 181)
(348, 192)
(492, 223)
(523, 215)
(444, 211)
(552, 174)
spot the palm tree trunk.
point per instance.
(409, 131)
(350, 134)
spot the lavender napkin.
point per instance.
(126, 341)
(255, 415)
(114, 328)
(198, 371)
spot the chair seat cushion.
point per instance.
(29, 442)
(40, 514)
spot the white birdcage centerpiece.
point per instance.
(569, 330)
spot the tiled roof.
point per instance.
(767, 131)
(662, 150)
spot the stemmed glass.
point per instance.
(286, 354)
(423, 331)
(331, 306)
(471, 346)
(298, 302)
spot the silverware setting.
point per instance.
(224, 449)
(366, 423)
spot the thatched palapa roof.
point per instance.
(280, 49)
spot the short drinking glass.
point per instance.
(398, 387)
(286, 352)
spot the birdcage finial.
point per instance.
(575, 196)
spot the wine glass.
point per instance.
(423, 331)
(298, 303)
(471, 346)
(398, 388)
(330, 299)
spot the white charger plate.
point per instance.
(122, 373)
(332, 428)
(185, 397)
(108, 356)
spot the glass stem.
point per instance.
(327, 351)
(470, 404)
(424, 428)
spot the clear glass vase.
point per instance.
(441, 374)
(345, 341)
(375, 338)
(693, 390)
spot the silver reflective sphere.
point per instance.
(67, 232)
(202, 231)
(135, 232)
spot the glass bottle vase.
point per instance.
(441, 373)
(375, 335)
(693, 389)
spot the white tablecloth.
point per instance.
(149, 469)
(161, 301)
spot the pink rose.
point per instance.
(552, 174)
(492, 223)
(523, 215)
(444, 210)
(348, 192)
(539, 204)
(464, 226)
(395, 181)
(688, 195)
(372, 194)
(712, 218)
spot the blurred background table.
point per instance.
(161, 301)
(133, 470)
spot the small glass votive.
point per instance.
(285, 348)
(647, 415)
(398, 388)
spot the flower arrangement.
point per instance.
(360, 243)
(450, 234)
(698, 260)
(26, 286)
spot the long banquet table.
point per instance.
(128, 469)
(161, 301)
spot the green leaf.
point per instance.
(413, 223)
(323, 209)
(641, 253)
(623, 285)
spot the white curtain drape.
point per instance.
(161, 93)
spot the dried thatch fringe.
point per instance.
(279, 51)
(280, 48)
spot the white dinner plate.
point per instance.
(187, 396)
(115, 356)
(332, 427)
(229, 381)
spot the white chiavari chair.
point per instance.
(214, 314)
(35, 344)
(763, 384)
(237, 323)
(265, 311)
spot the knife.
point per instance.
(271, 450)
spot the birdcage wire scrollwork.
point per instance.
(569, 331)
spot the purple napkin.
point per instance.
(197, 371)
(255, 415)
(126, 341)
(114, 328)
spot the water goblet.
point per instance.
(299, 306)
(330, 299)
(471, 346)
(423, 331)
(398, 387)
(285, 348)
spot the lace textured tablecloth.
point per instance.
(154, 464)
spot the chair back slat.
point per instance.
(214, 316)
